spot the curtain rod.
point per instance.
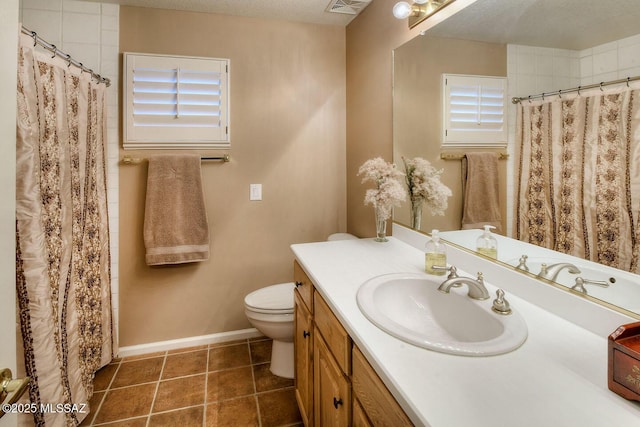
(600, 85)
(57, 52)
(128, 160)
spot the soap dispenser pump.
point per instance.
(486, 244)
(436, 255)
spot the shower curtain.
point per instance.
(62, 253)
(578, 175)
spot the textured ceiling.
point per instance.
(566, 24)
(312, 11)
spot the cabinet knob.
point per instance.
(337, 402)
(298, 284)
(306, 334)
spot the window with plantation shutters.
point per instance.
(474, 111)
(175, 102)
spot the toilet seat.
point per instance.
(274, 299)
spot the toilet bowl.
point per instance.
(270, 311)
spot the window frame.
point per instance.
(483, 136)
(163, 136)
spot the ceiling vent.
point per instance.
(349, 7)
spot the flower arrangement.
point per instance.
(388, 193)
(423, 182)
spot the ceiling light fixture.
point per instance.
(418, 10)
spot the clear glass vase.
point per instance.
(416, 214)
(381, 226)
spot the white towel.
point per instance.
(176, 230)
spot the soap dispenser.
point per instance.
(436, 255)
(486, 244)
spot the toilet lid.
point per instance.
(272, 298)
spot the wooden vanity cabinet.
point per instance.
(378, 406)
(332, 367)
(304, 286)
(331, 389)
(335, 385)
(303, 345)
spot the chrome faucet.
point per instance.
(551, 272)
(476, 287)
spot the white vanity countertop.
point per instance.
(557, 378)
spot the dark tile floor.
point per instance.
(226, 384)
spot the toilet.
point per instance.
(270, 311)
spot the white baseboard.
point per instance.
(154, 347)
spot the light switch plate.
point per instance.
(255, 191)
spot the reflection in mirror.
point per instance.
(417, 112)
(540, 47)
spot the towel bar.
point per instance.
(128, 160)
(460, 156)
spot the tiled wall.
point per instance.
(610, 61)
(533, 70)
(89, 32)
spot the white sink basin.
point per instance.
(410, 307)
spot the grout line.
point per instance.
(255, 394)
(155, 394)
(255, 387)
(94, 411)
(119, 421)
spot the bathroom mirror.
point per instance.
(478, 36)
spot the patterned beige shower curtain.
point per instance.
(578, 176)
(62, 253)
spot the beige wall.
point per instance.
(417, 107)
(288, 133)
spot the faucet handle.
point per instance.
(500, 304)
(453, 271)
(580, 282)
(522, 263)
(543, 269)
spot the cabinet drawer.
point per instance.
(304, 286)
(334, 334)
(376, 400)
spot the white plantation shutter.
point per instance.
(175, 102)
(474, 111)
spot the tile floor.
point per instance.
(227, 384)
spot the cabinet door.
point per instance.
(359, 417)
(332, 392)
(303, 346)
(377, 403)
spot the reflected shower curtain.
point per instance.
(578, 176)
(62, 253)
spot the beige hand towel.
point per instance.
(175, 220)
(481, 204)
